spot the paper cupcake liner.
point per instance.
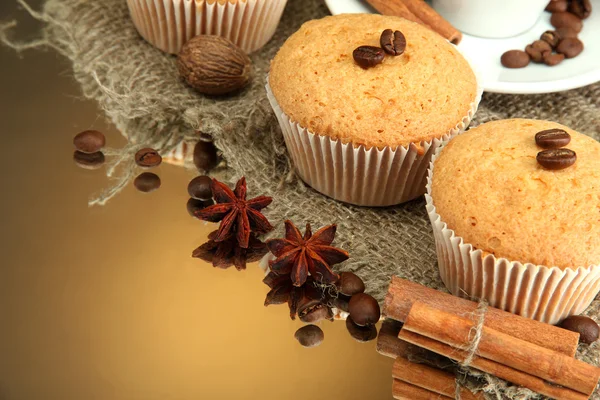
(357, 175)
(546, 294)
(168, 24)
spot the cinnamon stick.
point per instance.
(432, 379)
(396, 8)
(435, 21)
(456, 331)
(406, 391)
(402, 294)
(501, 371)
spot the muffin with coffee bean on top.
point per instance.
(364, 100)
(514, 206)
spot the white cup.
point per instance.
(491, 18)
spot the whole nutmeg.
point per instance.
(213, 65)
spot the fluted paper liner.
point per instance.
(546, 294)
(357, 175)
(168, 24)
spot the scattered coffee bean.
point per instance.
(315, 313)
(566, 20)
(88, 160)
(148, 158)
(309, 336)
(368, 56)
(200, 188)
(194, 205)
(515, 59)
(361, 333)
(536, 53)
(557, 5)
(552, 59)
(89, 141)
(565, 33)
(552, 138)
(350, 284)
(586, 327)
(364, 309)
(570, 47)
(551, 37)
(147, 182)
(205, 156)
(581, 8)
(556, 159)
(393, 43)
(341, 302)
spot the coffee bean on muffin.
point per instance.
(368, 56)
(89, 141)
(566, 20)
(557, 6)
(309, 336)
(552, 138)
(556, 159)
(552, 59)
(364, 309)
(393, 43)
(515, 59)
(147, 182)
(148, 158)
(88, 160)
(586, 327)
(570, 47)
(551, 37)
(200, 188)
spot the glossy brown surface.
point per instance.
(107, 302)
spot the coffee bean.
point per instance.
(364, 309)
(551, 37)
(581, 8)
(89, 141)
(350, 284)
(88, 160)
(315, 313)
(556, 159)
(309, 336)
(147, 182)
(553, 59)
(200, 188)
(552, 138)
(586, 327)
(361, 333)
(148, 158)
(515, 59)
(537, 55)
(205, 156)
(368, 56)
(205, 137)
(565, 33)
(194, 205)
(570, 47)
(566, 20)
(341, 302)
(557, 5)
(393, 43)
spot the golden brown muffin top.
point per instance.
(489, 188)
(414, 97)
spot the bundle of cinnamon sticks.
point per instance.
(420, 12)
(439, 329)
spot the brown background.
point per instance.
(106, 303)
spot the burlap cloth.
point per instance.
(139, 89)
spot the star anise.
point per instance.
(298, 255)
(226, 253)
(306, 301)
(237, 215)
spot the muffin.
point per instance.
(168, 24)
(366, 136)
(510, 231)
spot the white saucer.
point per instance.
(485, 53)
